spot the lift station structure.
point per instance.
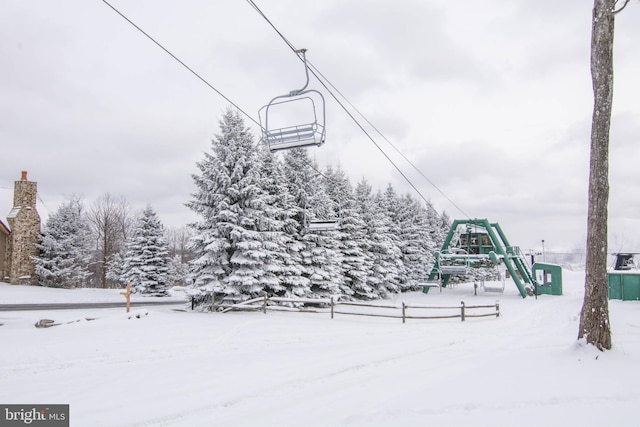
(477, 243)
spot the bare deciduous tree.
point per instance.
(595, 326)
(177, 239)
(110, 219)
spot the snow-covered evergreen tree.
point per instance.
(251, 237)
(320, 256)
(115, 269)
(354, 245)
(417, 247)
(178, 272)
(64, 248)
(282, 243)
(386, 257)
(391, 206)
(146, 258)
(438, 224)
(228, 243)
(302, 177)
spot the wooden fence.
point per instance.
(404, 311)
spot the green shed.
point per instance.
(624, 285)
(548, 278)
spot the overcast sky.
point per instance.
(491, 100)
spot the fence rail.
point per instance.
(462, 311)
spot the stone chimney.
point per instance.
(25, 192)
(24, 222)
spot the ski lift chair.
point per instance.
(454, 270)
(312, 129)
(332, 223)
(323, 225)
(448, 265)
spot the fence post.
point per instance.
(213, 300)
(332, 307)
(404, 312)
(193, 301)
(127, 295)
(462, 310)
(497, 308)
(264, 304)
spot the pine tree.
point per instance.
(354, 245)
(302, 179)
(230, 259)
(178, 272)
(385, 255)
(320, 255)
(146, 258)
(282, 243)
(390, 203)
(438, 225)
(64, 248)
(417, 247)
(115, 269)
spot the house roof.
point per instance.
(4, 228)
(6, 204)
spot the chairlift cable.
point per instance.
(196, 74)
(180, 62)
(257, 9)
(296, 51)
(370, 137)
(313, 70)
(293, 48)
(389, 142)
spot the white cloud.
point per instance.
(491, 100)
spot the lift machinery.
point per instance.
(477, 243)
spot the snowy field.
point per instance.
(162, 367)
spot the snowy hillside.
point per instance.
(181, 368)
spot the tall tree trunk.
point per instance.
(594, 319)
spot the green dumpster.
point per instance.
(624, 285)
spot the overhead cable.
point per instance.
(180, 62)
(314, 70)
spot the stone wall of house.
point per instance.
(24, 222)
(4, 255)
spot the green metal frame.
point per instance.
(501, 252)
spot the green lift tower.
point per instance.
(480, 244)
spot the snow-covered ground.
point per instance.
(164, 367)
